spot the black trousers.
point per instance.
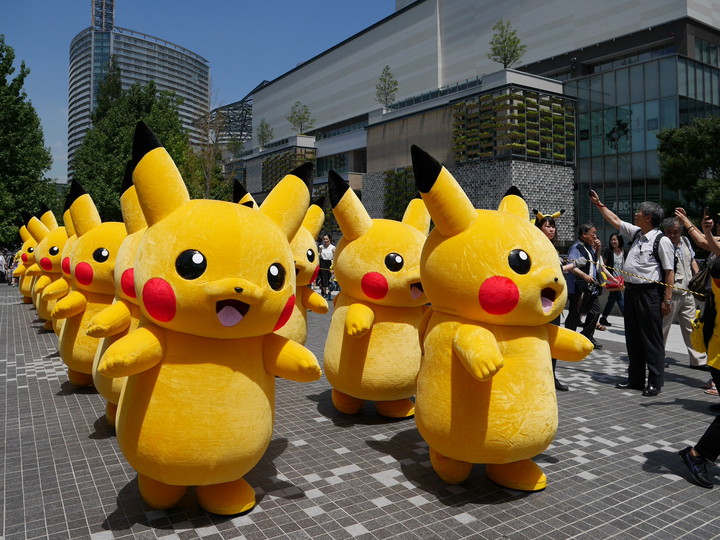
(644, 335)
(591, 319)
(709, 444)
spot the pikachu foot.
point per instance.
(400, 408)
(27, 300)
(110, 412)
(346, 404)
(451, 470)
(79, 379)
(522, 475)
(159, 495)
(226, 499)
(48, 325)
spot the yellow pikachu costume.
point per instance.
(123, 315)
(47, 218)
(214, 280)
(485, 391)
(91, 265)
(31, 233)
(373, 351)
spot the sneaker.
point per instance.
(605, 322)
(697, 467)
(596, 344)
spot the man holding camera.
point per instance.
(583, 288)
(650, 267)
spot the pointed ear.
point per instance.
(513, 203)
(67, 221)
(48, 218)
(25, 234)
(159, 186)
(129, 204)
(557, 214)
(314, 219)
(349, 212)
(241, 196)
(287, 203)
(38, 230)
(84, 214)
(450, 209)
(416, 215)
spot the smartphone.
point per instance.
(706, 212)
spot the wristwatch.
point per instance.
(667, 301)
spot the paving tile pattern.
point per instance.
(613, 469)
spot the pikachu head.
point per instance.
(48, 251)
(378, 260)
(212, 268)
(92, 261)
(491, 266)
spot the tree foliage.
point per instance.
(386, 88)
(300, 118)
(690, 160)
(99, 163)
(505, 46)
(264, 133)
(24, 159)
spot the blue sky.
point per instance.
(245, 42)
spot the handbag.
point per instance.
(614, 283)
(699, 284)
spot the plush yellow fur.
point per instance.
(48, 254)
(27, 258)
(372, 351)
(39, 230)
(123, 315)
(485, 390)
(198, 405)
(92, 261)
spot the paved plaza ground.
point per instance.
(613, 469)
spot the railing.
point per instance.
(434, 94)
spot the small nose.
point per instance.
(240, 289)
(556, 280)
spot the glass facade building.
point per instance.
(141, 58)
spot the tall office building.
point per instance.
(141, 58)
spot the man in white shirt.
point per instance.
(648, 293)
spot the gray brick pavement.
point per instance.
(613, 470)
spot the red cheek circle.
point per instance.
(127, 283)
(498, 295)
(286, 312)
(65, 265)
(159, 299)
(84, 273)
(374, 285)
(24, 257)
(46, 264)
(315, 274)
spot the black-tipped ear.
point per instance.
(514, 191)
(535, 212)
(305, 173)
(239, 192)
(336, 187)
(127, 177)
(320, 201)
(425, 167)
(249, 204)
(76, 191)
(44, 208)
(144, 141)
(562, 211)
(26, 216)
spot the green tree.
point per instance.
(300, 118)
(24, 159)
(505, 46)
(690, 160)
(100, 161)
(264, 133)
(386, 88)
(109, 91)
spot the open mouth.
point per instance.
(547, 298)
(416, 290)
(231, 312)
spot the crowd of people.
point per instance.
(8, 265)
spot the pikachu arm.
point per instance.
(57, 289)
(285, 358)
(313, 301)
(358, 320)
(567, 345)
(422, 326)
(33, 270)
(137, 352)
(110, 321)
(42, 282)
(477, 349)
(73, 304)
(19, 271)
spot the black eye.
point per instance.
(310, 255)
(276, 276)
(394, 262)
(30, 250)
(54, 250)
(519, 261)
(101, 255)
(190, 264)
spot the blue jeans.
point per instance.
(614, 297)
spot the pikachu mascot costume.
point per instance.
(31, 233)
(91, 266)
(123, 315)
(49, 223)
(373, 351)
(485, 391)
(214, 280)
